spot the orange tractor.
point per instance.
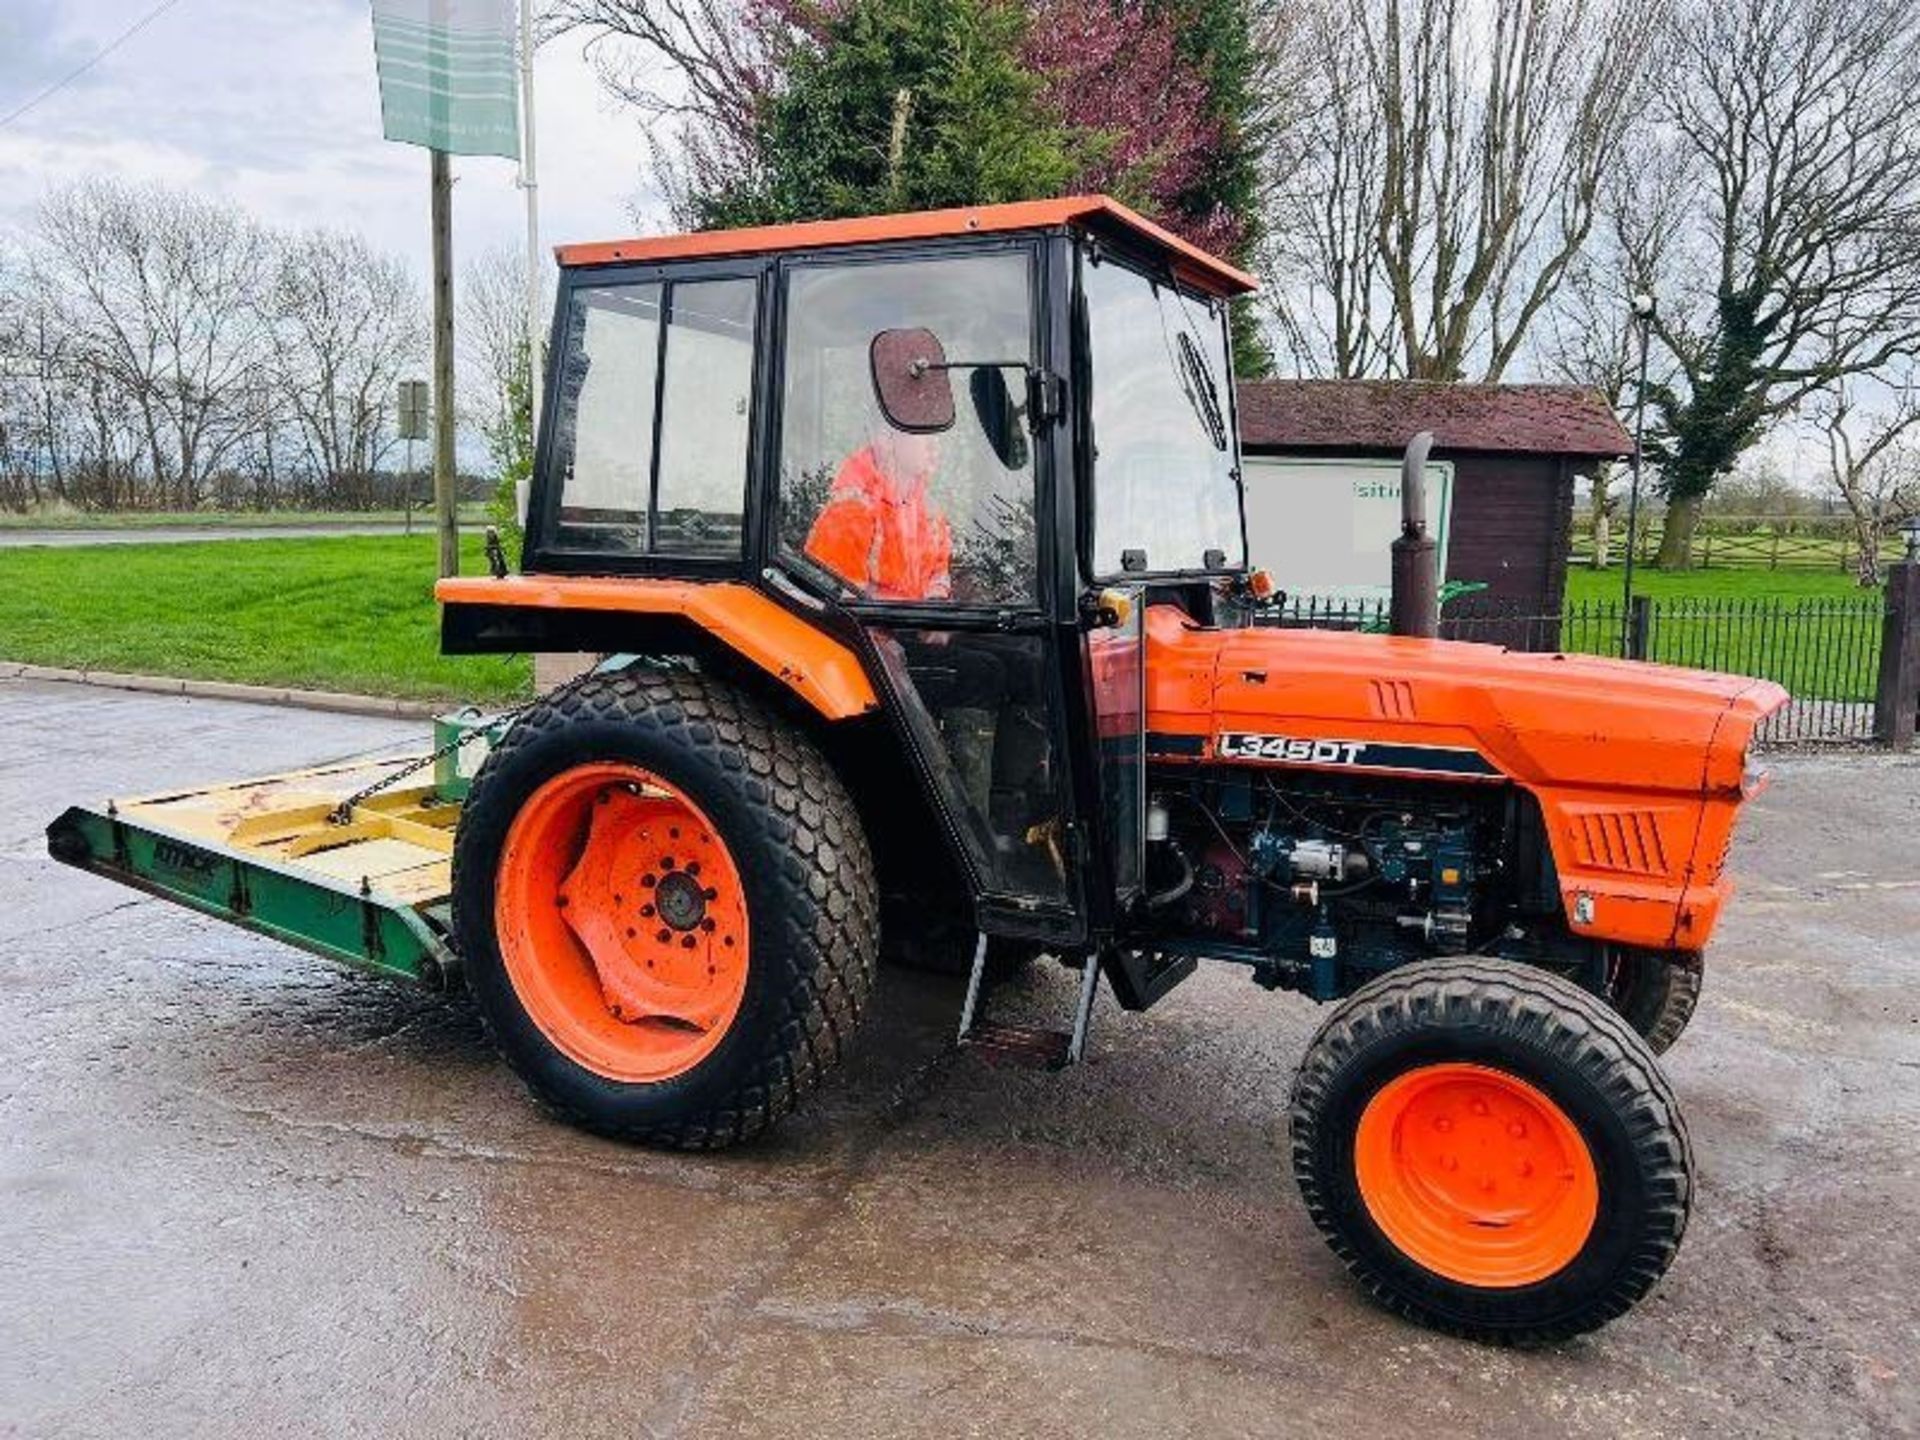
(915, 545)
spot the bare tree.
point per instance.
(348, 324)
(698, 70)
(160, 350)
(1446, 175)
(1327, 299)
(1589, 339)
(1589, 336)
(1872, 461)
(161, 296)
(19, 466)
(73, 439)
(493, 331)
(1777, 216)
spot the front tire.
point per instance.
(1655, 992)
(1491, 1151)
(665, 908)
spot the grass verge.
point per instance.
(356, 613)
(353, 613)
(220, 519)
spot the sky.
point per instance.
(273, 104)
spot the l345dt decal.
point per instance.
(1353, 754)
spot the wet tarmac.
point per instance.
(243, 1193)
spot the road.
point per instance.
(179, 534)
(243, 1193)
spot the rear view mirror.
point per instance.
(910, 380)
(1000, 417)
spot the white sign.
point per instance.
(1326, 527)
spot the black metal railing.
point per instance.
(1826, 652)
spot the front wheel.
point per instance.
(1491, 1151)
(1655, 991)
(665, 907)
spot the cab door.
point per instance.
(930, 534)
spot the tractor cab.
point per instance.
(959, 447)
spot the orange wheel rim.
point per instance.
(1476, 1175)
(622, 922)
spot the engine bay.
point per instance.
(1322, 881)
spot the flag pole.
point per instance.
(530, 183)
(444, 474)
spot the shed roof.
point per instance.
(1093, 212)
(1384, 415)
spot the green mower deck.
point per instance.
(370, 887)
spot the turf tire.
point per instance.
(812, 907)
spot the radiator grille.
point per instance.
(1624, 840)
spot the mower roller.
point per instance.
(916, 543)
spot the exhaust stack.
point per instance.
(1415, 607)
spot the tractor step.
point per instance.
(1028, 1046)
(1033, 1046)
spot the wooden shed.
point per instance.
(1504, 462)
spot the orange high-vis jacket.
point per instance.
(882, 537)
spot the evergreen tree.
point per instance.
(882, 105)
(900, 105)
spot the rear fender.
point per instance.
(808, 675)
(481, 615)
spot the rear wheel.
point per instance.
(1491, 1150)
(665, 907)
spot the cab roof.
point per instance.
(1094, 213)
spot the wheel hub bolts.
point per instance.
(680, 900)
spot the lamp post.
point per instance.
(1643, 308)
(1910, 532)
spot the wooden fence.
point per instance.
(1758, 549)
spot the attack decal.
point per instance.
(1353, 754)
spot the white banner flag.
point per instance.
(447, 76)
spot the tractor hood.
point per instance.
(1448, 707)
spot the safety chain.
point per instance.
(342, 813)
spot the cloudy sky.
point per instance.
(273, 104)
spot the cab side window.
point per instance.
(605, 446)
(655, 415)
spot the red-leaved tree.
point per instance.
(1115, 75)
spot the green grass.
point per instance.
(1816, 632)
(356, 613)
(353, 613)
(216, 519)
(1584, 584)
